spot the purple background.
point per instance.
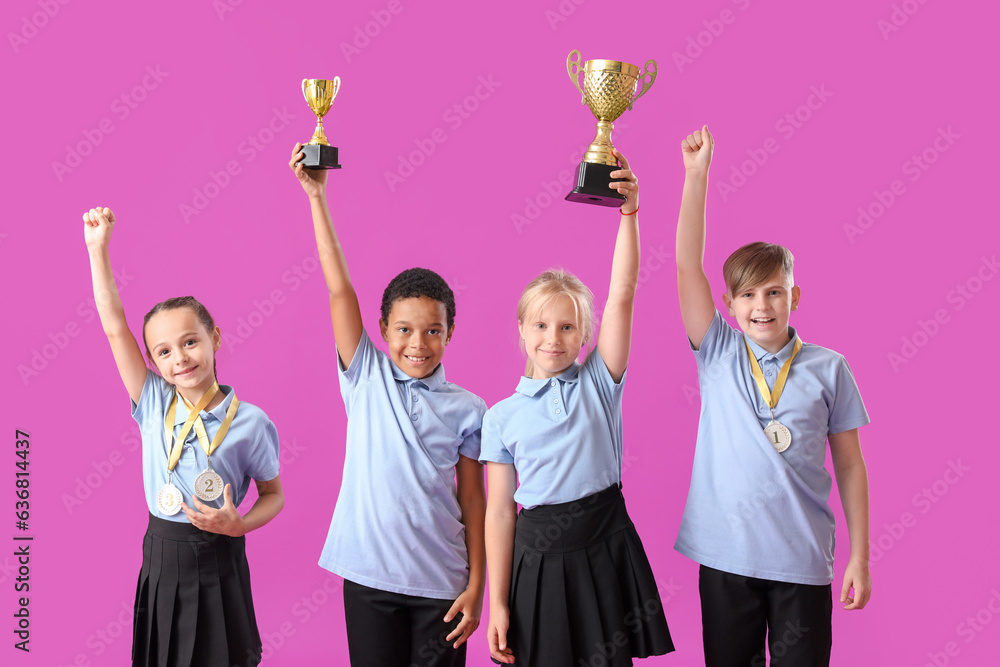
(142, 108)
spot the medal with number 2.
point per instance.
(208, 485)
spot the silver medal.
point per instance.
(208, 485)
(169, 499)
(778, 435)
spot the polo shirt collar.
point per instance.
(531, 387)
(782, 355)
(219, 411)
(432, 382)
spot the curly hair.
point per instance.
(415, 283)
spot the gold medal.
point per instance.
(208, 485)
(777, 433)
(169, 499)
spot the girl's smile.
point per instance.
(552, 337)
(183, 351)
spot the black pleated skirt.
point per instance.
(582, 591)
(193, 604)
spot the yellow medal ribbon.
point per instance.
(194, 419)
(779, 385)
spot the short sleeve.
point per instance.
(150, 405)
(363, 364)
(493, 449)
(471, 446)
(595, 367)
(720, 341)
(848, 410)
(263, 463)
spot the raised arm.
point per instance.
(697, 306)
(98, 224)
(344, 309)
(615, 339)
(501, 518)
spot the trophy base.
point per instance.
(318, 156)
(592, 185)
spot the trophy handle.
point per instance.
(573, 67)
(336, 84)
(647, 76)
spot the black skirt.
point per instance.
(582, 591)
(193, 604)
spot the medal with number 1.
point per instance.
(777, 433)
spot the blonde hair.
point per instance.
(754, 263)
(549, 286)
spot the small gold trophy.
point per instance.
(319, 94)
(609, 88)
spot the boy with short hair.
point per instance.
(757, 517)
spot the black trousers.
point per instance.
(738, 612)
(394, 630)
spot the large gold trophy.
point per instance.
(319, 94)
(609, 88)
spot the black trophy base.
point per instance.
(320, 157)
(592, 185)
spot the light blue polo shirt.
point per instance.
(563, 434)
(249, 451)
(397, 525)
(751, 510)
